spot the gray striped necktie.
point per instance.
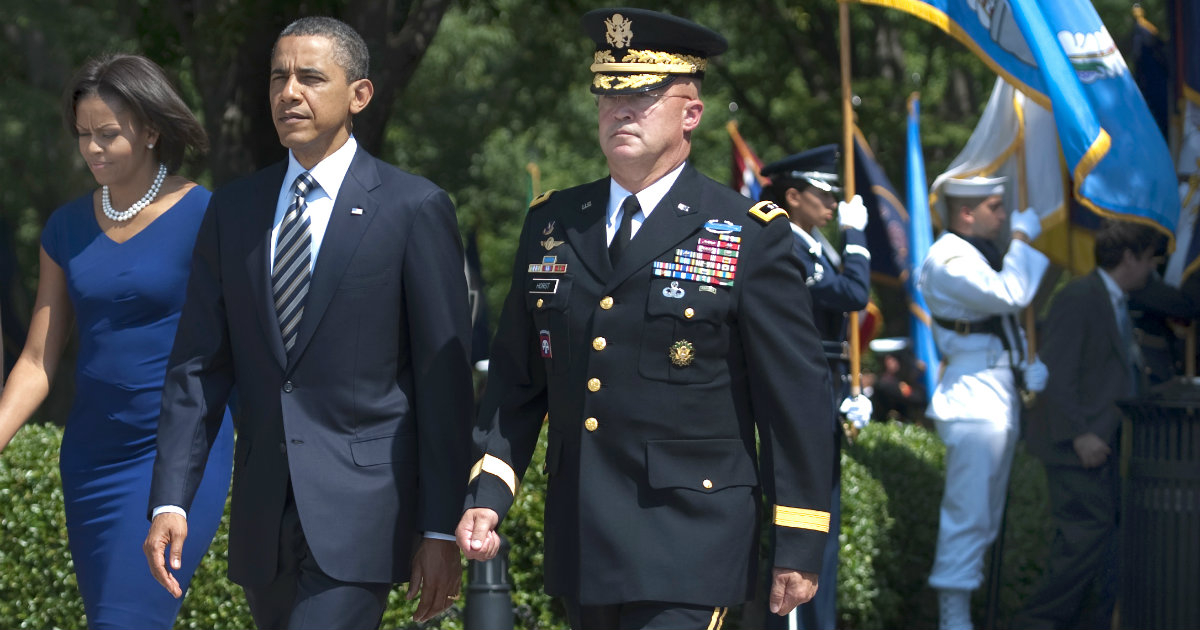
(290, 275)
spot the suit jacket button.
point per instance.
(287, 387)
(606, 302)
(707, 483)
(599, 343)
(689, 312)
(591, 424)
(593, 384)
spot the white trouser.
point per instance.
(978, 460)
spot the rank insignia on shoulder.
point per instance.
(766, 211)
(540, 199)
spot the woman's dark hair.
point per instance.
(140, 85)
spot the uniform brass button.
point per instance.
(707, 483)
(689, 312)
(606, 302)
(591, 424)
(593, 384)
(540, 302)
(599, 343)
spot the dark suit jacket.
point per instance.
(654, 484)
(369, 414)
(1082, 349)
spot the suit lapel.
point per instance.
(260, 215)
(672, 220)
(342, 237)
(585, 228)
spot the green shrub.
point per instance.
(891, 487)
(37, 579)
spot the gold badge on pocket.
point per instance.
(682, 353)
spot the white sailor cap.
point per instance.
(977, 186)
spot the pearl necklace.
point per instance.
(110, 212)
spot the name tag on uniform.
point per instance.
(543, 285)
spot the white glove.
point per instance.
(853, 215)
(857, 410)
(1035, 375)
(1027, 221)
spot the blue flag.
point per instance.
(1061, 56)
(887, 226)
(920, 237)
(1185, 33)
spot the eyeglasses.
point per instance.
(640, 102)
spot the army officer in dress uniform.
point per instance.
(660, 318)
(805, 184)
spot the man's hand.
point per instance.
(1092, 451)
(476, 534)
(1027, 223)
(790, 588)
(166, 529)
(437, 576)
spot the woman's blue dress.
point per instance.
(127, 298)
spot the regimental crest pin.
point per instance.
(618, 31)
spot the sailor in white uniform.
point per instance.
(975, 293)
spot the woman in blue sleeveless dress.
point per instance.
(117, 261)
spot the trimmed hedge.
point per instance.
(891, 487)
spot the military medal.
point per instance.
(548, 266)
(682, 353)
(722, 227)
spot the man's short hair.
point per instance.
(1114, 237)
(349, 48)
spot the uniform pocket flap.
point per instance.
(703, 465)
(688, 301)
(380, 450)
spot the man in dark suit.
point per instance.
(657, 357)
(804, 184)
(328, 291)
(1087, 344)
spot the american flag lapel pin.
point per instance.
(356, 210)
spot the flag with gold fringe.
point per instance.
(1060, 56)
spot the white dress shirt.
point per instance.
(648, 198)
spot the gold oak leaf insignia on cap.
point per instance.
(765, 211)
(540, 199)
(619, 31)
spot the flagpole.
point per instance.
(848, 153)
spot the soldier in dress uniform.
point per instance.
(975, 293)
(804, 184)
(661, 319)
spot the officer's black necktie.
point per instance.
(620, 241)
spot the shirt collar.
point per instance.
(648, 198)
(814, 246)
(329, 172)
(1114, 292)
